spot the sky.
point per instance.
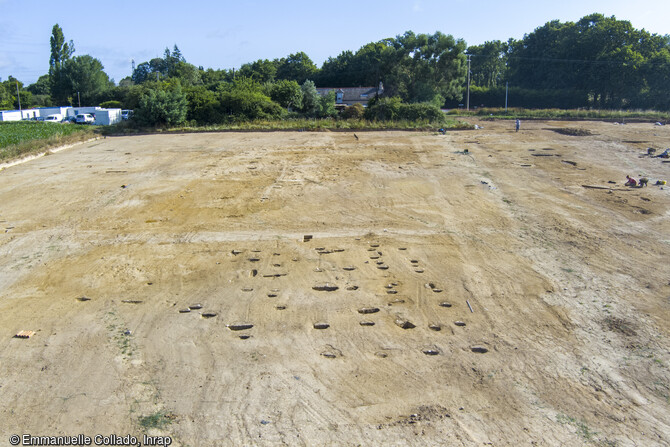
(226, 34)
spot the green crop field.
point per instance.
(18, 138)
(22, 131)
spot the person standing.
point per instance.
(518, 124)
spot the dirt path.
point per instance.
(105, 246)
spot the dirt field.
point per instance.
(362, 335)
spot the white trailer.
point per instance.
(106, 117)
(46, 111)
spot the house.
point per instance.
(346, 96)
(18, 115)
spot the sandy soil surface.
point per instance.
(362, 335)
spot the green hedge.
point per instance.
(393, 109)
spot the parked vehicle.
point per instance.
(126, 114)
(85, 118)
(55, 118)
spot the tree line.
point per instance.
(597, 62)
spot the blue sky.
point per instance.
(227, 34)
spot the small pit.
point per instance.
(404, 324)
(325, 287)
(368, 310)
(240, 326)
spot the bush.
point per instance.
(393, 109)
(354, 111)
(249, 105)
(203, 106)
(421, 111)
(161, 107)
(111, 105)
(383, 109)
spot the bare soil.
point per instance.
(445, 298)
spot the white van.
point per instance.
(85, 118)
(56, 118)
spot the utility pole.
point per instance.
(18, 96)
(467, 102)
(78, 99)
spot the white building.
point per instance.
(106, 117)
(103, 117)
(18, 115)
(46, 111)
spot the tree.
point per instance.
(428, 68)
(262, 70)
(211, 78)
(188, 74)
(489, 62)
(374, 63)
(310, 99)
(296, 67)
(416, 68)
(61, 51)
(203, 105)
(288, 94)
(141, 73)
(162, 105)
(327, 105)
(171, 66)
(84, 74)
(42, 86)
(8, 95)
(171, 60)
(597, 57)
(339, 71)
